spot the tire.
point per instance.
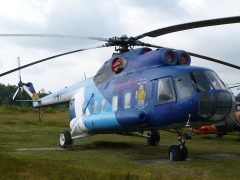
(65, 139)
(184, 153)
(154, 138)
(174, 153)
(187, 136)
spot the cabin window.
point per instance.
(184, 86)
(103, 102)
(94, 106)
(127, 100)
(114, 103)
(165, 90)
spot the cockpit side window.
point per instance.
(206, 80)
(237, 107)
(215, 80)
(184, 86)
(165, 90)
(201, 81)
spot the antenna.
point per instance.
(85, 75)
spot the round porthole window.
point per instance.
(118, 64)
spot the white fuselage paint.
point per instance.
(77, 92)
(79, 103)
(55, 98)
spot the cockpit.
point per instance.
(206, 81)
(188, 84)
(215, 101)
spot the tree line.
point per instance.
(7, 92)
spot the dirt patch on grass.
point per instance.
(226, 156)
(153, 161)
(221, 156)
(40, 149)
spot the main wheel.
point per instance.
(154, 138)
(65, 139)
(184, 153)
(187, 136)
(174, 153)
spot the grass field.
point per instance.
(106, 156)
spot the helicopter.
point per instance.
(142, 89)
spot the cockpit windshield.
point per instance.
(206, 81)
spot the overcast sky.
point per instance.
(108, 18)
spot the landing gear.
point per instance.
(154, 138)
(178, 152)
(65, 139)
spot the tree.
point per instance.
(7, 92)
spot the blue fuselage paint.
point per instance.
(158, 115)
(143, 70)
(137, 83)
(72, 113)
(102, 122)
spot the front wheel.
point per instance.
(65, 139)
(174, 153)
(184, 153)
(178, 153)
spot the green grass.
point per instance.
(106, 156)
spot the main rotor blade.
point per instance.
(214, 60)
(48, 58)
(200, 56)
(54, 36)
(191, 25)
(233, 86)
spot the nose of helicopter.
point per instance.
(216, 105)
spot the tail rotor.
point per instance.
(20, 83)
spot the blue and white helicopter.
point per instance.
(141, 89)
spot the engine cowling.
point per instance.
(183, 58)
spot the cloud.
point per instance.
(103, 18)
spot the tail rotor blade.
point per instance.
(21, 89)
(15, 94)
(19, 71)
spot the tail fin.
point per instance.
(28, 87)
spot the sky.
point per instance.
(109, 18)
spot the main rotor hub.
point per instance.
(123, 43)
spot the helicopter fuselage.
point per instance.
(137, 92)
